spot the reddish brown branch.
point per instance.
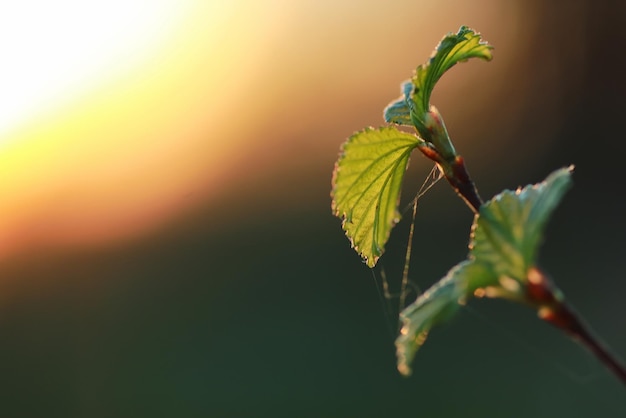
(554, 310)
(457, 175)
(463, 184)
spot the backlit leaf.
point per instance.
(436, 305)
(507, 232)
(452, 49)
(505, 238)
(366, 186)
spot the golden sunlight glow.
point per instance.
(114, 148)
(56, 51)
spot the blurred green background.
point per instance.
(249, 302)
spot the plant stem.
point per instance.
(583, 334)
(554, 310)
(457, 175)
(463, 184)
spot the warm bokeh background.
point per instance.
(166, 242)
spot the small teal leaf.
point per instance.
(366, 186)
(398, 111)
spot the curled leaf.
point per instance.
(416, 92)
(453, 48)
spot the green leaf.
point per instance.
(398, 111)
(436, 305)
(505, 238)
(452, 49)
(366, 186)
(508, 229)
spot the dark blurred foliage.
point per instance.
(250, 307)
